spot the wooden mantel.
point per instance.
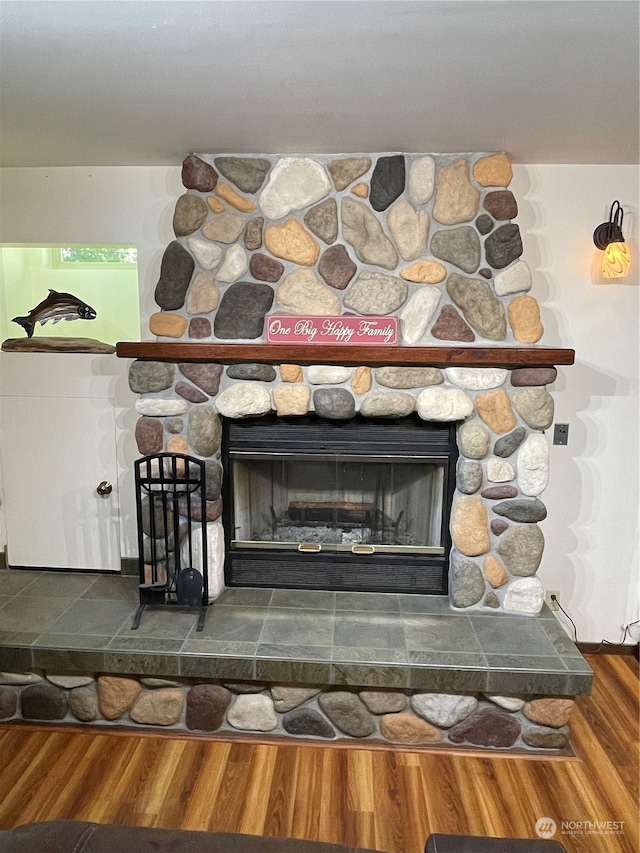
(374, 356)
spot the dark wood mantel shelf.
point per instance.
(374, 356)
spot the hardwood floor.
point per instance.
(385, 799)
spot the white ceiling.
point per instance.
(104, 82)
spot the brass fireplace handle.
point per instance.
(104, 488)
(363, 549)
(310, 547)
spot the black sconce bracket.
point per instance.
(611, 231)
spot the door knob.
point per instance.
(104, 488)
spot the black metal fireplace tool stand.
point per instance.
(172, 533)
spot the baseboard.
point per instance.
(3, 560)
(129, 566)
(630, 649)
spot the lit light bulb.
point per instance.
(616, 260)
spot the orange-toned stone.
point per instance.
(494, 571)
(215, 205)
(361, 382)
(524, 319)
(361, 190)
(167, 325)
(116, 695)
(178, 444)
(291, 399)
(549, 711)
(291, 373)
(494, 408)
(406, 727)
(469, 529)
(493, 171)
(233, 198)
(424, 272)
(292, 242)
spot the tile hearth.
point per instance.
(81, 622)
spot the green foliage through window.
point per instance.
(98, 255)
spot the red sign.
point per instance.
(296, 329)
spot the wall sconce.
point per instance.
(608, 236)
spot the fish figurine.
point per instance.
(56, 307)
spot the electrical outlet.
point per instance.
(552, 605)
(561, 434)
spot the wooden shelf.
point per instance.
(374, 356)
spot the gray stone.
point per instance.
(409, 227)
(294, 183)
(515, 279)
(473, 440)
(204, 431)
(44, 702)
(336, 404)
(443, 404)
(224, 228)
(176, 269)
(149, 377)
(188, 392)
(253, 712)
(243, 399)
(242, 311)
(253, 233)
(476, 378)
(503, 246)
(387, 404)
(376, 293)
(265, 269)
(421, 180)
(387, 181)
(488, 727)
(254, 372)
(345, 170)
(491, 600)
(83, 703)
(508, 444)
(408, 377)
(307, 722)
(336, 267)
(531, 376)
(481, 309)
(545, 737)
(347, 712)
(521, 549)
(19, 679)
(287, 698)
(189, 214)
(524, 595)
(159, 408)
(8, 703)
(522, 510)
(247, 173)
(206, 376)
(533, 465)
(245, 686)
(418, 312)
(498, 493)
(459, 246)
(174, 425)
(484, 223)
(70, 681)
(322, 220)
(466, 581)
(161, 525)
(383, 701)
(364, 232)
(213, 475)
(443, 709)
(535, 407)
(206, 707)
(156, 683)
(451, 327)
(198, 175)
(468, 476)
(149, 436)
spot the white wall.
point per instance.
(592, 528)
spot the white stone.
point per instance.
(20, 678)
(422, 179)
(207, 254)
(524, 595)
(533, 465)
(294, 183)
(476, 378)
(499, 470)
(515, 279)
(158, 407)
(215, 556)
(443, 709)
(253, 712)
(243, 399)
(70, 681)
(409, 228)
(417, 313)
(328, 374)
(509, 703)
(443, 404)
(235, 264)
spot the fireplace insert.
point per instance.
(357, 505)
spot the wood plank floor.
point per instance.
(385, 799)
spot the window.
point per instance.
(94, 257)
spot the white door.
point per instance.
(56, 451)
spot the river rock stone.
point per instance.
(383, 701)
(206, 376)
(8, 703)
(500, 471)
(159, 408)
(292, 242)
(18, 679)
(531, 376)
(162, 707)
(204, 430)
(487, 727)
(406, 727)
(425, 272)
(549, 711)
(361, 382)
(361, 190)
(347, 712)
(524, 318)
(476, 378)
(234, 266)
(508, 444)
(484, 223)
(189, 214)
(322, 220)
(501, 204)
(421, 179)
(544, 737)
(242, 310)
(155, 683)
(418, 313)
(203, 295)
(336, 267)
(174, 425)
(494, 571)
(207, 254)
(443, 709)
(494, 493)
(167, 325)
(287, 698)
(149, 436)
(265, 269)
(253, 712)
(307, 722)
(459, 246)
(303, 293)
(451, 327)
(347, 169)
(177, 444)
(498, 526)
(227, 192)
(533, 465)
(176, 269)
(468, 476)
(198, 175)
(116, 694)
(409, 228)
(335, 404)
(364, 232)
(443, 404)
(213, 511)
(247, 173)
(473, 440)
(491, 600)
(149, 377)
(521, 549)
(493, 171)
(199, 327)
(376, 293)
(206, 707)
(387, 404)
(524, 595)
(254, 372)
(68, 682)
(485, 272)
(253, 233)
(522, 510)
(294, 183)
(480, 307)
(224, 228)
(328, 374)
(214, 479)
(245, 686)
(535, 407)
(291, 373)
(509, 703)
(387, 181)
(466, 582)
(243, 399)
(469, 525)
(503, 246)
(291, 400)
(215, 204)
(408, 377)
(457, 200)
(83, 703)
(515, 279)
(494, 407)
